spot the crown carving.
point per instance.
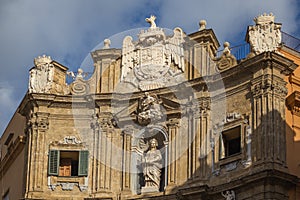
(264, 19)
(41, 60)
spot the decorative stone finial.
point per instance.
(226, 50)
(264, 19)
(202, 25)
(42, 60)
(106, 44)
(151, 20)
(226, 60)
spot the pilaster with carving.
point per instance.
(202, 138)
(197, 115)
(126, 159)
(173, 128)
(268, 107)
(107, 69)
(103, 152)
(37, 128)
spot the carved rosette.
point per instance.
(265, 35)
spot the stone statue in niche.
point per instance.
(152, 164)
(149, 109)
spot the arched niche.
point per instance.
(139, 149)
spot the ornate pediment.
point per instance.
(146, 62)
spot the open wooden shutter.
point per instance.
(53, 162)
(83, 163)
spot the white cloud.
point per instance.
(67, 30)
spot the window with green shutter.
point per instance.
(53, 164)
(68, 163)
(83, 163)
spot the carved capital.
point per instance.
(128, 130)
(269, 86)
(39, 121)
(173, 123)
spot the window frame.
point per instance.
(226, 146)
(54, 162)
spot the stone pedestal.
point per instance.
(149, 189)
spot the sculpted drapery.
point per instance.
(152, 164)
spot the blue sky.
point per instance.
(68, 30)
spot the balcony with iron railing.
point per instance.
(290, 41)
(241, 51)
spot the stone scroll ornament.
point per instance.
(146, 62)
(152, 164)
(265, 35)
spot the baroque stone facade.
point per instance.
(164, 117)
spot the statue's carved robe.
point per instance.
(152, 168)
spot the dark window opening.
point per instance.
(68, 164)
(231, 142)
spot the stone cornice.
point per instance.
(283, 64)
(294, 80)
(201, 188)
(293, 102)
(101, 54)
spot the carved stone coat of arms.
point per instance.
(146, 62)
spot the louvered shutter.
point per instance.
(53, 163)
(83, 163)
